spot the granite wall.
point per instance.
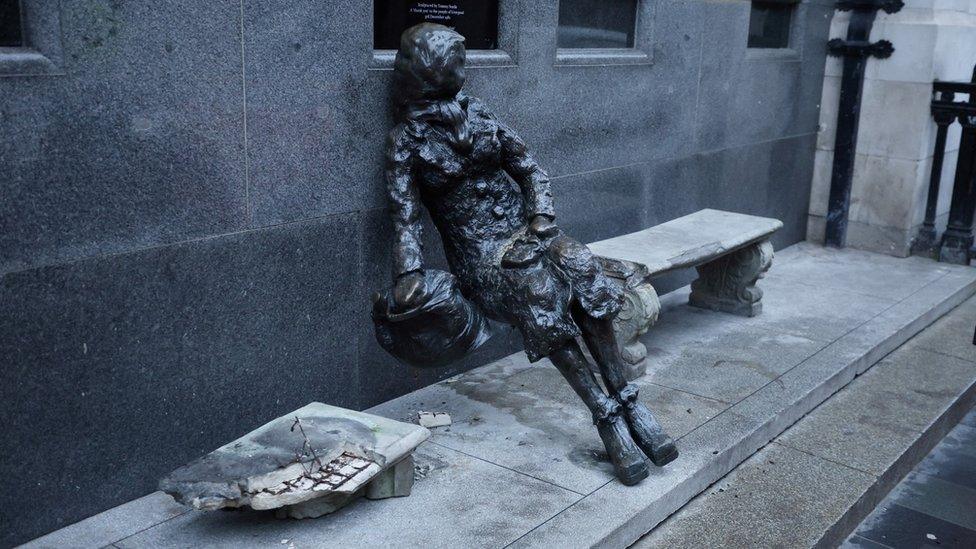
(192, 215)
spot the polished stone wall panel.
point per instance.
(619, 192)
(119, 369)
(748, 94)
(140, 142)
(316, 123)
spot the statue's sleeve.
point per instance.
(405, 205)
(527, 173)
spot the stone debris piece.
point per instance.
(433, 419)
(394, 482)
(306, 464)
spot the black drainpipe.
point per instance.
(855, 50)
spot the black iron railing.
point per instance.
(956, 245)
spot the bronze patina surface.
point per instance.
(492, 205)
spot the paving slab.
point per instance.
(815, 312)
(869, 425)
(900, 527)
(952, 334)
(909, 316)
(112, 525)
(802, 388)
(792, 307)
(779, 497)
(707, 453)
(954, 460)
(868, 435)
(726, 362)
(910, 515)
(856, 271)
(522, 464)
(944, 500)
(527, 418)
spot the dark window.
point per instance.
(476, 20)
(769, 24)
(597, 23)
(11, 31)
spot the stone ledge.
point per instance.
(823, 475)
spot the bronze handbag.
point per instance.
(442, 330)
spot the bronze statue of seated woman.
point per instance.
(492, 205)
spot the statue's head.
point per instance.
(430, 63)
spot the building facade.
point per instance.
(193, 210)
(896, 140)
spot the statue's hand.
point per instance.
(409, 291)
(543, 227)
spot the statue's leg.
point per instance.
(600, 338)
(628, 461)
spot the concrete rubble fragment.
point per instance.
(305, 464)
(433, 419)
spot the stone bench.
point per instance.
(731, 251)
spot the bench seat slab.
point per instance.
(688, 241)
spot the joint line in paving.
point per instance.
(509, 469)
(150, 527)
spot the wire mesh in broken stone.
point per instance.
(328, 477)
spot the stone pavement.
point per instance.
(815, 482)
(521, 465)
(936, 503)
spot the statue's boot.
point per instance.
(646, 431)
(629, 463)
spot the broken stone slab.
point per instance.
(304, 464)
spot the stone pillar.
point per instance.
(932, 40)
(394, 482)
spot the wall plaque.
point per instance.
(476, 20)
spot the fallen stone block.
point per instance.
(304, 464)
(433, 419)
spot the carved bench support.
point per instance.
(728, 284)
(730, 250)
(641, 308)
(639, 313)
